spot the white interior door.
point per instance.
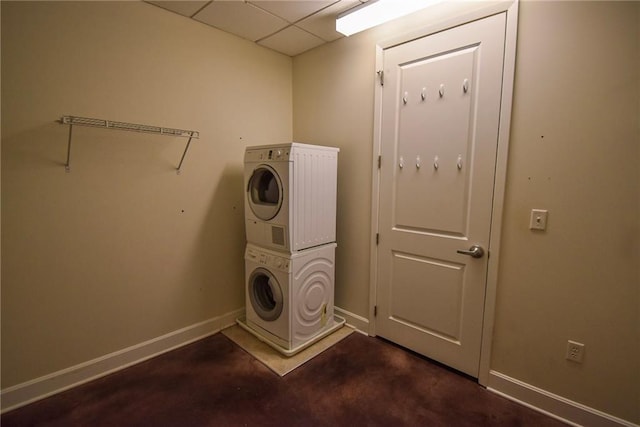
(439, 137)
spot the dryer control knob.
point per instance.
(279, 262)
(279, 153)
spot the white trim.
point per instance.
(56, 382)
(499, 185)
(456, 17)
(375, 189)
(555, 406)
(510, 8)
(355, 321)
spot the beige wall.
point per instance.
(122, 250)
(574, 150)
(333, 105)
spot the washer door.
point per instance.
(264, 192)
(265, 294)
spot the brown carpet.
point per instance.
(361, 381)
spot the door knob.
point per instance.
(474, 251)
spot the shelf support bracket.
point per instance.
(67, 165)
(178, 170)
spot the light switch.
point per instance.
(538, 219)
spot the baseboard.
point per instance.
(555, 406)
(39, 388)
(359, 323)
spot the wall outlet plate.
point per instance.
(538, 220)
(575, 351)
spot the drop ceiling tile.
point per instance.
(241, 19)
(185, 8)
(323, 23)
(293, 11)
(291, 41)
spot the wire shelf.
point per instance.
(134, 127)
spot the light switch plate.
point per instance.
(538, 220)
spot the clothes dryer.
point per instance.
(289, 297)
(291, 192)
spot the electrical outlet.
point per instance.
(575, 351)
(538, 220)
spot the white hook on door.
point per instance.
(435, 163)
(459, 161)
(418, 162)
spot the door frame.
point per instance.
(452, 15)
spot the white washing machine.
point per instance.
(289, 298)
(291, 192)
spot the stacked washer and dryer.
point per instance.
(290, 218)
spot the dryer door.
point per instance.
(264, 192)
(265, 294)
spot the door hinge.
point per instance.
(375, 310)
(379, 161)
(381, 76)
(377, 238)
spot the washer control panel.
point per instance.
(268, 259)
(271, 153)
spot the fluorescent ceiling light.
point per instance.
(376, 12)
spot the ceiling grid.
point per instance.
(289, 27)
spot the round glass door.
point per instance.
(265, 192)
(265, 294)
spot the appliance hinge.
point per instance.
(381, 75)
(379, 161)
(377, 238)
(375, 310)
